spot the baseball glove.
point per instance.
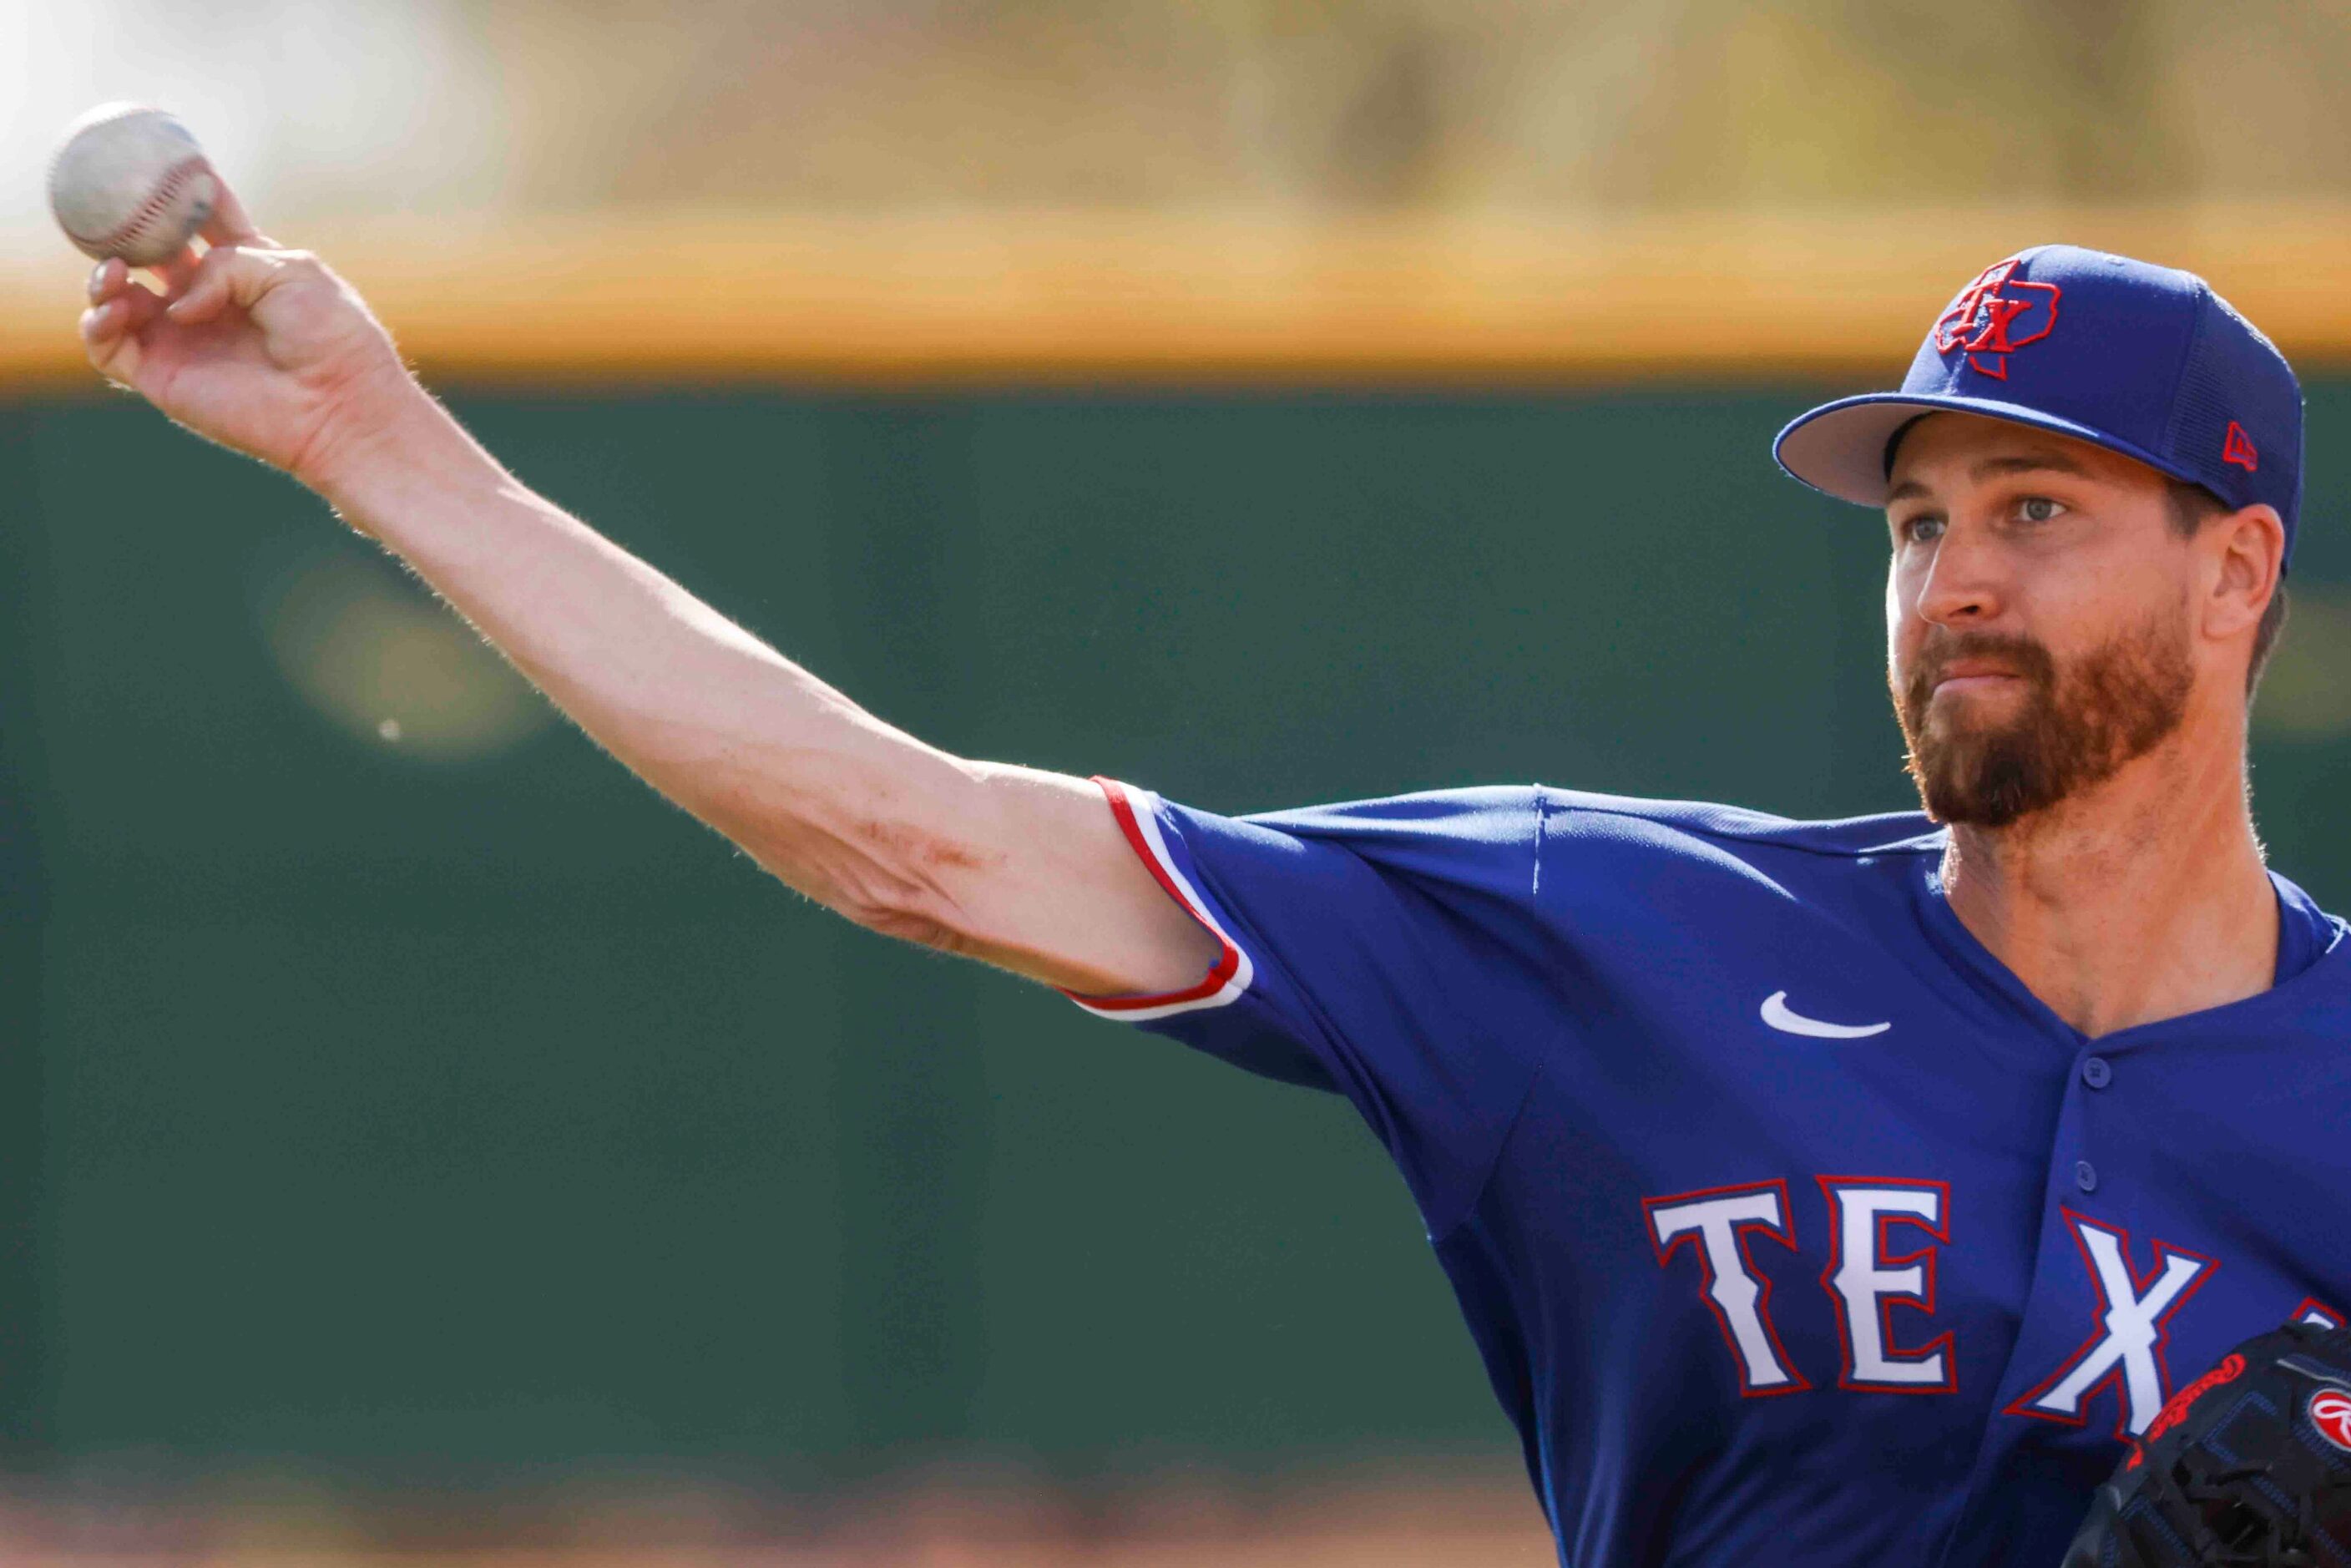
(2250, 1464)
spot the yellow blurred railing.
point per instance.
(1169, 298)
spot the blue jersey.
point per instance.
(1791, 1226)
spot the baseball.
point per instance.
(130, 181)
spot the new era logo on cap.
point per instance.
(2237, 447)
(2141, 359)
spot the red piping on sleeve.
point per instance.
(1229, 957)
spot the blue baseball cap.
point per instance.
(2141, 359)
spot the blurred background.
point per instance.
(416, 1140)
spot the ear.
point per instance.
(2249, 558)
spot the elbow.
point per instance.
(907, 913)
(870, 891)
(871, 864)
(923, 930)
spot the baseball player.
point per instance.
(1816, 1193)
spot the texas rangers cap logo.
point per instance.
(1996, 315)
(2330, 1412)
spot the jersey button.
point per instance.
(2097, 1072)
(2086, 1175)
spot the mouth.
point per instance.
(1984, 681)
(1973, 675)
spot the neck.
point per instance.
(2140, 899)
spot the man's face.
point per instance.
(2039, 633)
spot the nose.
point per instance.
(1961, 583)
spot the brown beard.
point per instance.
(2077, 727)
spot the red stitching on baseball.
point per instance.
(169, 187)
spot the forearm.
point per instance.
(1016, 867)
(706, 713)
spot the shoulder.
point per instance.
(1487, 838)
(1502, 836)
(1619, 863)
(1692, 824)
(1511, 863)
(1498, 815)
(1530, 819)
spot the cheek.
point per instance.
(1903, 629)
(2082, 612)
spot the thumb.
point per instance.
(229, 275)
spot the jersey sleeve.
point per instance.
(1378, 949)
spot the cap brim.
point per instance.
(1839, 448)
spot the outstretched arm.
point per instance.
(265, 350)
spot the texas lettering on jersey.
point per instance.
(1886, 1239)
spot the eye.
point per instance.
(1924, 528)
(2039, 509)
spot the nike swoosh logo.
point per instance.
(1787, 1020)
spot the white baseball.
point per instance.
(130, 181)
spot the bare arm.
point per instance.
(267, 351)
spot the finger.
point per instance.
(178, 272)
(107, 279)
(142, 307)
(230, 224)
(228, 275)
(106, 338)
(113, 333)
(128, 313)
(101, 324)
(133, 310)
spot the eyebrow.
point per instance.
(1998, 467)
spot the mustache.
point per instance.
(2025, 657)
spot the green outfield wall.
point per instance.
(392, 1085)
